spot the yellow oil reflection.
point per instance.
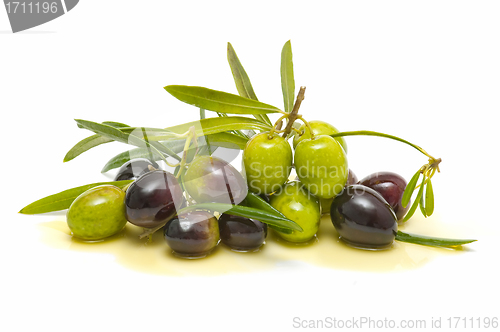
(326, 250)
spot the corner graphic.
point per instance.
(27, 14)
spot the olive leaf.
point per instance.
(410, 187)
(287, 79)
(430, 241)
(218, 125)
(63, 200)
(253, 200)
(421, 204)
(228, 140)
(119, 136)
(413, 207)
(429, 198)
(242, 81)
(248, 212)
(85, 145)
(115, 124)
(91, 142)
(218, 101)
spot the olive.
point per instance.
(134, 168)
(363, 218)
(299, 205)
(153, 199)
(327, 202)
(240, 233)
(321, 165)
(267, 162)
(97, 213)
(213, 180)
(192, 234)
(391, 186)
(318, 128)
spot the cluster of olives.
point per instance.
(154, 198)
(365, 212)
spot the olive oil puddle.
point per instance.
(326, 250)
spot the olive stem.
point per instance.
(190, 137)
(276, 124)
(294, 113)
(433, 161)
(307, 125)
(149, 231)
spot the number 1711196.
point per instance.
(31, 7)
(473, 322)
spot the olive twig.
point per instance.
(294, 113)
(277, 124)
(148, 232)
(190, 137)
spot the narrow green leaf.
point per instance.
(218, 101)
(63, 200)
(249, 212)
(410, 212)
(119, 136)
(430, 241)
(85, 145)
(115, 124)
(410, 187)
(287, 79)
(242, 81)
(421, 204)
(253, 200)
(225, 140)
(218, 125)
(429, 198)
(228, 140)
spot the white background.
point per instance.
(427, 71)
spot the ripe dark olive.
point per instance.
(363, 218)
(134, 168)
(192, 234)
(213, 180)
(391, 186)
(153, 198)
(241, 233)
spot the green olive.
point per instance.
(97, 213)
(267, 162)
(297, 204)
(321, 165)
(319, 128)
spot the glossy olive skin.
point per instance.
(327, 202)
(97, 213)
(133, 169)
(267, 163)
(363, 218)
(298, 205)
(391, 186)
(153, 199)
(192, 234)
(319, 128)
(321, 165)
(240, 233)
(213, 180)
